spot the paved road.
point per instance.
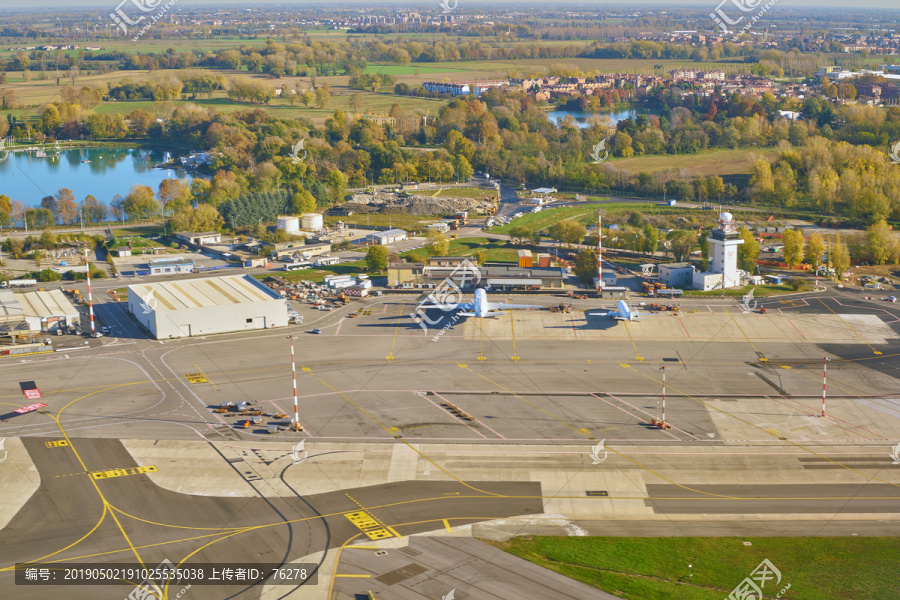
(74, 516)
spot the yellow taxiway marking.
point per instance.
(123, 472)
(447, 525)
(365, 547)
(850, 327)
(203, 375)
(390, 356)
(196, 378)
(369, 525)
(741, 330)
(56, 443)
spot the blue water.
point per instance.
(25, 178)
(582, 118)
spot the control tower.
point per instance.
(723, 243)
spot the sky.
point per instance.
(417, 4)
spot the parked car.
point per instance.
(316, 331)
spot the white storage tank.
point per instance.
(289, 224)
(312, 222)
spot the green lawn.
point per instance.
(463, 192)
(495, 251)
(714, 162)
(542, 220)
(817, 568)
(409, 69)
(405, 222)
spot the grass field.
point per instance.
(540, 221)
(714, 162)
(817, 568)
(409, 69)
(463, 192)
(495, 251)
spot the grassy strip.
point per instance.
(818, 568)
(319, 273)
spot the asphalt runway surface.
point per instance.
(378, 380)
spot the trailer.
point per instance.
(19, 283)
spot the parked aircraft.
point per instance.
(625, 313)
(481, 308)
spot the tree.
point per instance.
(651, 239)
(377, 257)
(520, 233)
(336, 182)
(480, 257)
(748, 251)
(302, 202)
(567, 232)
(174, 194)
(140, 203)
(586, 264)
(323, 96)
(793, 247)
(66, 209)
(49, 275)
(681, 242)
(840, 257)
(881, 245)
(815, 248)
(437, 243)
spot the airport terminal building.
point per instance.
(190, 307)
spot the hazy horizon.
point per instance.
(481, 5)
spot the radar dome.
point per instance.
(725, 217)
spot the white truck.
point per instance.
(17, 283)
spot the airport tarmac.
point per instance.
(464, 431)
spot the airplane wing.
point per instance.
(466, 314)
(503, 306)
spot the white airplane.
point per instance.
(625, 313)
(481, 308)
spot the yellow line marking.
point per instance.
(850, 327)
(196, 377)
(204, 376)
(123, 472)
(394, 531)
(56, 444)
(447, 525)
(725, 308)
(631, 339)
(396, 331)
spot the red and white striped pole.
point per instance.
(824, 380)
(599, 250)
(90, 296)
(294, 374)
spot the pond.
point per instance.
(582, 119)
(100, 172)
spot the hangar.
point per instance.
(185, 308)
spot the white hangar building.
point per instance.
(189, 307)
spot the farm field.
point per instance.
(687, 166)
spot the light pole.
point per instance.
(295, 426)
(90, 296)
(662, 423)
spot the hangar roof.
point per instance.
(202, 293)
(45, 304)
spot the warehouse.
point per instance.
(191, 307)
(43, 311)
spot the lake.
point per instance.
(111, 171)
(582, 118)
